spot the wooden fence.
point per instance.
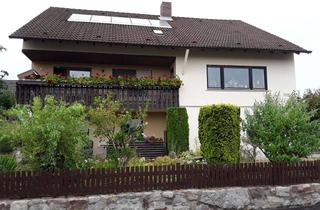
(28, 184)
(132, 97)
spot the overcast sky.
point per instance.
(295, 20)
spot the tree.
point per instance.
(117, 127)
(53, 134)
(312, 98)
(7, 99)
(2, 48)
(177, 129)
(3, 73)
(282, 129)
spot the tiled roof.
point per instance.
(185, 32)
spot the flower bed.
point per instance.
(119, 81)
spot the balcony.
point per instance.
(157, 97)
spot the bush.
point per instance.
(9, 137)
(7, 99)
(312, 98)
(282, 129)
(164, 160)
(106, 164)
(6, 146)
(137, 161)
(177, 129)
(219, 133)
(112, 125)
(7, 163)
(53, 134)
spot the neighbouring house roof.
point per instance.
(53, 24)
(29, 74)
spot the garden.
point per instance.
(49, 140)
(50, 134)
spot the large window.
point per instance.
(236, 77)
(72, 72)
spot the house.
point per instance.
(218, 61)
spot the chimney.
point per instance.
(165, 11)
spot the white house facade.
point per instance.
(218, 61)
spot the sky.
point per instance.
(294, 20)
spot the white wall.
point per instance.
(194, 92)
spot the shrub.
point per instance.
(219, 133)
(191, 157)
(177, 129)
(9, 137)
(7, 99)
(6, 146)
(282, 129)
(53, 134)
(117, 127)
(7, 163)
(164, 160)
(312, 98)
(106, 164)
(137, 161)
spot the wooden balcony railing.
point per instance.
(157, 98)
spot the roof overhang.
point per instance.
(98, 58)
(173, 46)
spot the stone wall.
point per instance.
(304, 195)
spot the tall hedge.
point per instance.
(177, 129)
(219, 133)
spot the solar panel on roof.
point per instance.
(140, 22)
(119, 20)
(80, 18)
(100, 19)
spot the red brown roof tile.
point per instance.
(52, 24)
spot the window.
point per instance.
(214, 77)
(124, 72)
(258, 78)
(78, 74)
(72, 72)
(236, 77)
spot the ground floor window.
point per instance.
(236, 77)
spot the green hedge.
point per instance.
(177, 129)
(219, 133)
